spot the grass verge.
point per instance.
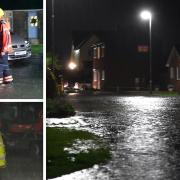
(37, 49)
(166, 93)
(60, 161)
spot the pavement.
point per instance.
(28, 80)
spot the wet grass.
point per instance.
(166, 93)
(60, 162)
(37, 49)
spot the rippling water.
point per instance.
(143, 133)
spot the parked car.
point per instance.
(21, 48)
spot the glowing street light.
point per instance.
(72, 65)
(147, 16)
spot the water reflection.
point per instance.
(143, 133)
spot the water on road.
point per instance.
(143, 134)
(22, 166)
(28, 80)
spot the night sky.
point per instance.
(21, 4)
(75, 19)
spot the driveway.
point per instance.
(28, 80)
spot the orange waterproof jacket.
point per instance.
(5, 37)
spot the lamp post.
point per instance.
(146, 15)
(52, 35)
(72, 65)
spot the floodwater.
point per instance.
(22, 166)
(28, 80)
(142, 132)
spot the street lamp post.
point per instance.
(52, 35)
(146, 15)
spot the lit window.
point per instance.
(95, 53)
(178, 73)
(102, 51)
(98, 53)
(103, 75)
(171, 73)
(94, 75)
(76, 56)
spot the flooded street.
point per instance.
(143, 134)
(21, 166)
(28, 80)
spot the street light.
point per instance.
(72, 65)
(147, 16)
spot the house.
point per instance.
(26, 23)
(115, 64)
(173, 65)
(82, 55)
(98, 66)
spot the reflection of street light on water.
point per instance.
(147, 15)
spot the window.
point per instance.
(98, 53)
(102, 51)
(9, 18)
(178, 73)
(77, 55)
(95, 53)
(94, 75)
(171, 73)
(103, 75)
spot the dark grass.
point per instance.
(166, 93)
(60, 163)
(37, 49)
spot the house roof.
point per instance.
(174, 53)
(90, 38)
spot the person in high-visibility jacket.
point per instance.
(2, 153)
(5, 48)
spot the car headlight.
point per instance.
(27, 43)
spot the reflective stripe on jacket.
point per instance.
(5, 37)
(2, 153)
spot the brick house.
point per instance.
(173, 64)
(111, 66)
(28, 24)
(83, 58)
(98, 66)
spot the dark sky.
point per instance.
(21, 4)
(84, 16)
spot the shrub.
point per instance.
(59, 109)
